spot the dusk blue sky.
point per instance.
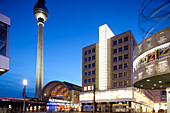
(72, 25)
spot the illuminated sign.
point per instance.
(59, 101)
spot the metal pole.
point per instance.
(94, 105)
(24, 99)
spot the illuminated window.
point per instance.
(125, 39)
(115, 84)
(125, 65)
(85, 53)
(115, 42)
(125, 74)
(114, 67)
(120, 49)
(93, 57)
(89, 87)
(89, 66)
(120, 41)
(92, 87)
(85, 74)
(85, 88)
(125, 48)
(120, 83)
(85, 67)
(120, 75)
(93, 72)
(93, 79)
(114, 50)
(89, 51)
(89, 80)
(114, 59)
(93, 50)
(89, 73)
(93, 65)
(114, 75)
(85, 60)
(120, 57)
(89, 58)
(120, 66)
(85, 81)
(126, 56)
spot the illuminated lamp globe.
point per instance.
(24, 82)
(40, 12)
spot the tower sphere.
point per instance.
(40, 12)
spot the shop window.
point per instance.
(89, 87)
(85, 88)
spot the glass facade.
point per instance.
(3, 39)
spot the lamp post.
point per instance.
(24, 83)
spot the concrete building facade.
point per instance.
(4, 43)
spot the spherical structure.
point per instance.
(40, 12)
(151, 65)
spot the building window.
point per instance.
(125, 48)
(114, 59)
(85, 88)
(85, 67)
(93, 57)
(120, 57)
(120, 83)
(89, 87)
(114, 75)
(85, 74)
(93, 72)
(115, 42)
(132, 49)
(120, 66)
(93, 50)
(85, 53)
(125, 65)
(120, 41)
(89, 66)
(115, 84)
(89, 73)
(85, 60)
(93, 79)
(89, 80)
(163, 99)
(125, 39)
(93, 65)
(114, 67)
(163, 92)
(85, 81)
(89, 51)
(125, 74)
(3, 39)
(114, 51)
(120, 75)
(125, 83)
(126, 56)
(89, 58)
(120, 49)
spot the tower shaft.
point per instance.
(39, 70)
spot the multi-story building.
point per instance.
(4, 43)
(109, 66)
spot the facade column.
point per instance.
(130, 106)
(168, 98)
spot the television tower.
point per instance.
(41, 14)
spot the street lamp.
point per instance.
(24, 83)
